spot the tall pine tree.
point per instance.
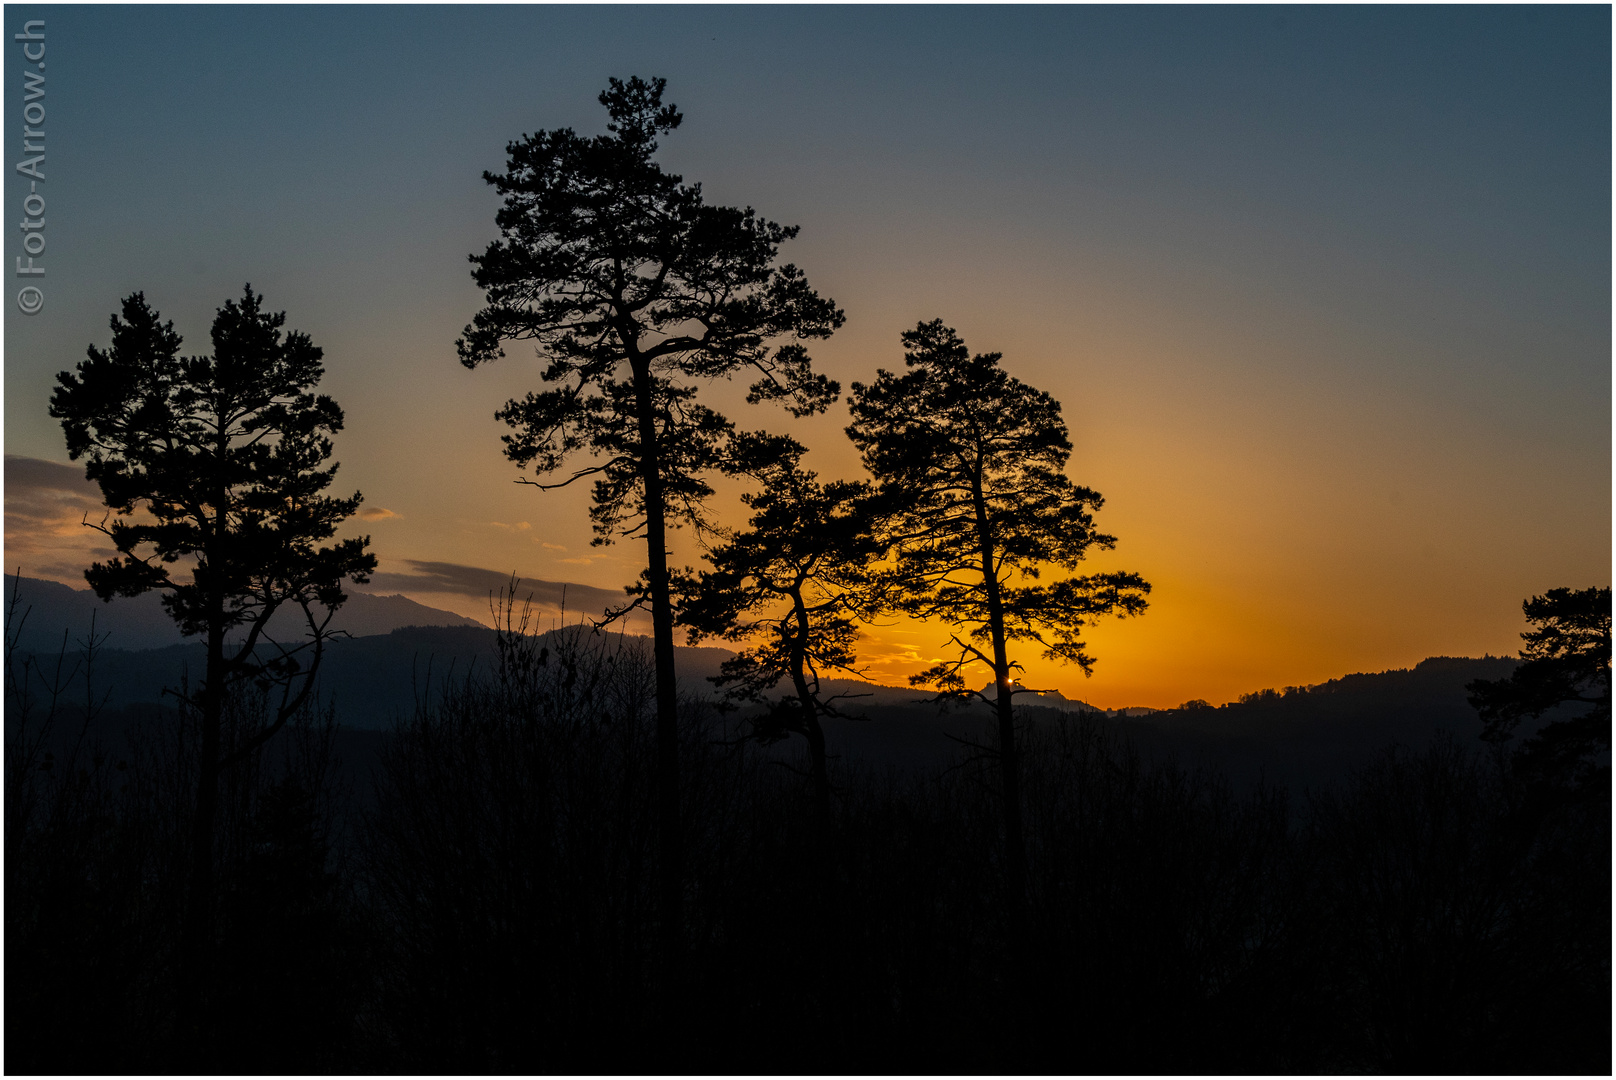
(217, 465)
(975, 461)
(631, 286)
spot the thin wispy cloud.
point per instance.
(456, 579)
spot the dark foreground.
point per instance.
(474, 893)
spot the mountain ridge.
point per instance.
(47, 612)
(1297, 735)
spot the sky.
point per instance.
(1324, 292)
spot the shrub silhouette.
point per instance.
(98, 851)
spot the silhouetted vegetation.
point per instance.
(972, 464)
(607, 263)
(217, 461)
(100, 857)
(790, 588)
(1566, 661)
(491, 905)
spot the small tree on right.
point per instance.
(1565, 661)
(973, 462)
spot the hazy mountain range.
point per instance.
(45, 611)
(402, 653)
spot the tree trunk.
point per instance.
(812, 729)
(821, 773)
(196, 959)
(670, 868)
(1015, 852)
(196, 949)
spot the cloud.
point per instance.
(520, 526)
(474, 581)
(378, 513)
(47, 505)
(43, 497)
(35, 474)
(895, 652)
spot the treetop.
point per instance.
(629, 285)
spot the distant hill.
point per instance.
(1302, 738)
(1318, 734)
(137, 623)
(1054, 699)
(1299, 737)
(370, 680)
